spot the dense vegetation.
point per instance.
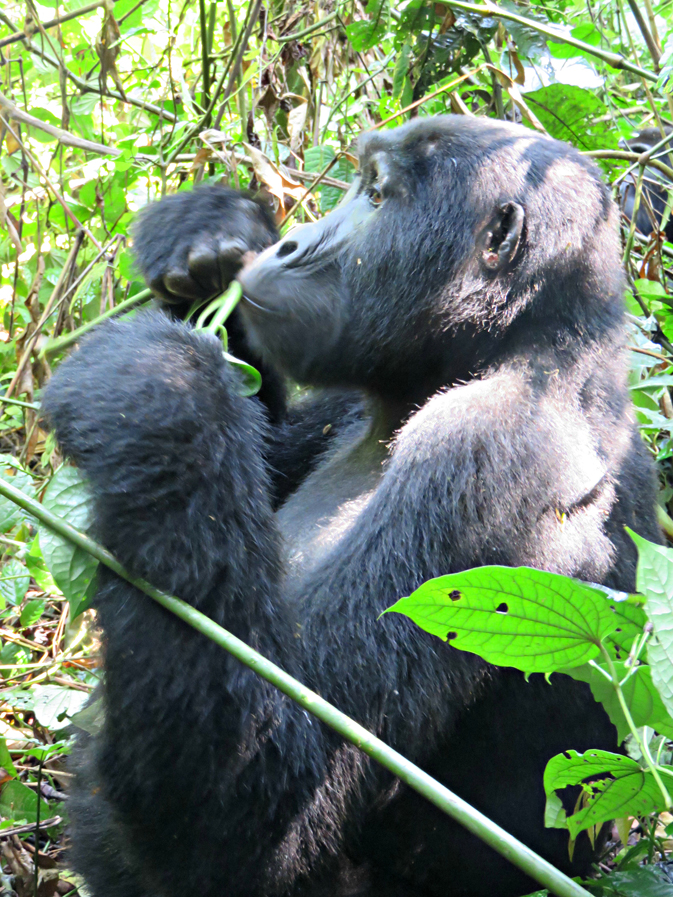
(107, 105)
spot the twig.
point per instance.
(65, 270)
(256, 5)
(43, 174)
(30, 827)
(310, 188)
(63, 137)
(66, 17)
(651, 354)
(645, 31)
(631, 157)
(612, 59)
(62, 342)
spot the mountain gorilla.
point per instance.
(655, 190)
(470, 288)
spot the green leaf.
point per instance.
(514, 616)
(641, 881)
(641, 696)
(571, 113)
(38, 569)
(251, 379)
(654, 580)
(10, 513)
(14, 582)
(401, 69)
(53, 705)
(6, 761)
(630, 790)
(72, 568)
(31, 612)
(19, 803)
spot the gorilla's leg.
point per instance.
(100, 851)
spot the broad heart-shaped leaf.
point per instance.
(654, 580)
(514, 616)
(623, 787)
(72, 568)
(642, 698)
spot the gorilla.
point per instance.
(655, 191)
(459, 320)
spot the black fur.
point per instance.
(478, 308)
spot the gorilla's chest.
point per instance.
(327, 505)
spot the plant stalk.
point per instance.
(448, 802)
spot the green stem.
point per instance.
(644, 748)
(62, 342)
(474, 821)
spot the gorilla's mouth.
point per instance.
(256, 305)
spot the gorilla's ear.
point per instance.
(499, 240)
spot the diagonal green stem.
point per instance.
(474, 821)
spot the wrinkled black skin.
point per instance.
(654, 197)
(478, 308)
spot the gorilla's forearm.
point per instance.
(181, 499)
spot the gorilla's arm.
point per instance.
(192, 739)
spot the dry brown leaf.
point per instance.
(8, 221)
(278, 183)
(296, 122)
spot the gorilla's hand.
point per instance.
(190, 246)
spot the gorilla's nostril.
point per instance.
(286, 248)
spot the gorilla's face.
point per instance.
(434, 249)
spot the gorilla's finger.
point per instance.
(230, 258)
(183, 286)
(204, 268)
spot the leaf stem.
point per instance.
(644, 747)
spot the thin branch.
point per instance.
(235, 68)
(630, 157)
(612, 59)
(645, 31)
(66, 17)
(63, 137)
(492, 834)
(43, 174)
(65, 270)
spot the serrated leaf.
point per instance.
(514, 616)
(14, 582)
(626, 790)
(72, 568)
(654, 580)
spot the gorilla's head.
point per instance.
(458, 235)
